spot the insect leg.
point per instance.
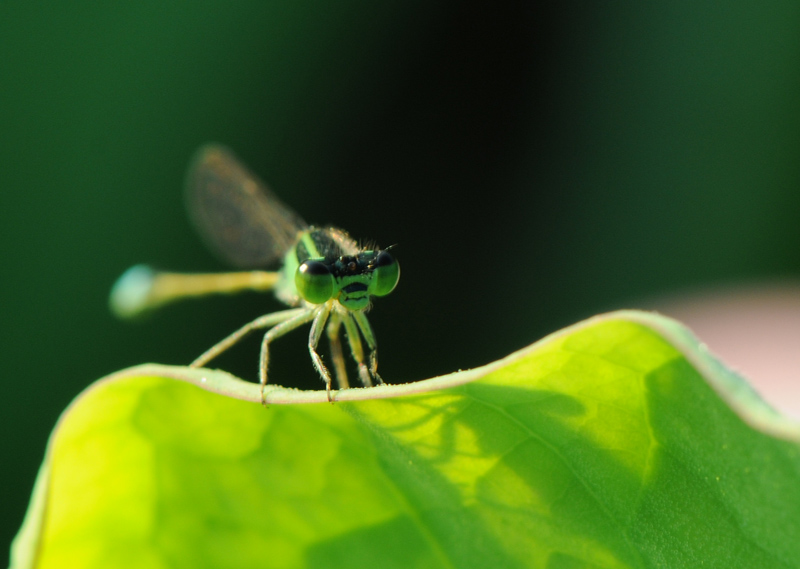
(314, 336)
(334, 325)
(261, 322)
(301, 316)
(354, 339)
(369, 336)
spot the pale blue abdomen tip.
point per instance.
(130, 295)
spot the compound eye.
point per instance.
(314, 282)
(385, 275)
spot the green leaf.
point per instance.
(618, 442)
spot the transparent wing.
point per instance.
(236, 214)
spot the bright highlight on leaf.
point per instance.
(615, 443)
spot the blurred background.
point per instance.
(535, 163)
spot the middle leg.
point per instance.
(369, 336)
(354, 339)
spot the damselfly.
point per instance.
(325, 276)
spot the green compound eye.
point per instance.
(385, 275)
(314, 282)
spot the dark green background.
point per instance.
(535, 164)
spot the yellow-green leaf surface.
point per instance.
(618, 442)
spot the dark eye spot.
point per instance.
(383, 259)
(314, 268)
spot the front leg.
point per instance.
(321, 317)
(337, 355)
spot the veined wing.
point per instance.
(239, 218)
